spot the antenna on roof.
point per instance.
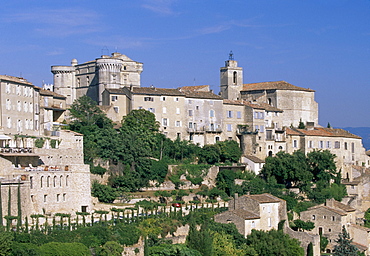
(104, 50)
(231, 55)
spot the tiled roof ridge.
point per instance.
(271, 85)
(15, 79)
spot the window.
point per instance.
(41, 181)
(58, 195)
(164, 110)
(178, 123)
(31, 182)
(55, 181)
(253, 224)
(177, 110)
(190, 112)
(229, 114)
(45, 198)
(345, 145)
(238, 114)
(262, 128)
(197, 107)
(310, 144)
(333, 218)
(295, 143)
(190, 101)
(163, 98)
(114, 98)
(353, 147)
(9, 122)
(269, 222)
(176, 99)
(337, 144)
(256, 127)
(235, 77)
(151, 110)
(8, 104)
(67, 180)
(211, 113)
(64, 197)
(321, 144)
(164, 121)
(229, 128)
(328, 144)
(148, 99)
(19, 107)
(116, 109)
(190, 125)
(217, 138)
(7, 88)
(18, 90)
(313, 217)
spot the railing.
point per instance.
(16, 150)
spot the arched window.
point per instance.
(67, 180)
(60, 181)
(55, 181)
(41, 181)
(235, 77)
(48, 181)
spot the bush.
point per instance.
(104, 193)
(98, 170)
(39, 143)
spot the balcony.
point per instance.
(203, 129)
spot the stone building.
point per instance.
(93, 77)
(247, 212)
(329, 218)
(42, 162)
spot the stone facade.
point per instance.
(261, 212)
(329, 218)
(37, 158)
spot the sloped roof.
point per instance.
(203, 88)
(15, 79)
(201, 95)
(264, 198)
(323, 132)
(51, 93)
(156, 91)
(244, 214)
(337, 211)
(263, 106)
(254, 159)
(233, 102)
(277, 85)
(343, 207)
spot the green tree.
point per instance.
(323, 243)
(172, 249)
(200, 240)
(344, 246)
(6, 241)
(303, 225)
(104, 193)
(274, 242)
(64, 249)
(210, 154)
(229, 151)
(110, 248)
(301, 124)
(310, 249)
(224, 245)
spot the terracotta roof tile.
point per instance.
(323, 132)
(201, 95)
(276, 85)
(204, 88)
(233, 102)
(156, 91)
(263, 106)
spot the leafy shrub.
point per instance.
(98, 170)
(104, 193)
(39, 143)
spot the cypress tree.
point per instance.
(344, 246)
(9, 208)
(310, 249)
(19, 220)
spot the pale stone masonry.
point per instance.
(38, 159)
(259, 116)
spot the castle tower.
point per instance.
(231, 79)
(109, 76)
(64, 81)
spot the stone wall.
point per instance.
(305, 239)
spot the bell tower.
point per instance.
(231, 77)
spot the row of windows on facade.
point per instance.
(324, 217)
(56, 181)
(27, 90)
(328, 144)
(28, 124)
(58, 199)
(27, 106)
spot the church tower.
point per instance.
(231, 79)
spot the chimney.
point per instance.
(330, 202)
(310, 125)
(236, 199)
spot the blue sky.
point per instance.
(319, 44)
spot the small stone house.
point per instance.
(261, 212)
(329, 219)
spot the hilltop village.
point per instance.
(43, 164)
